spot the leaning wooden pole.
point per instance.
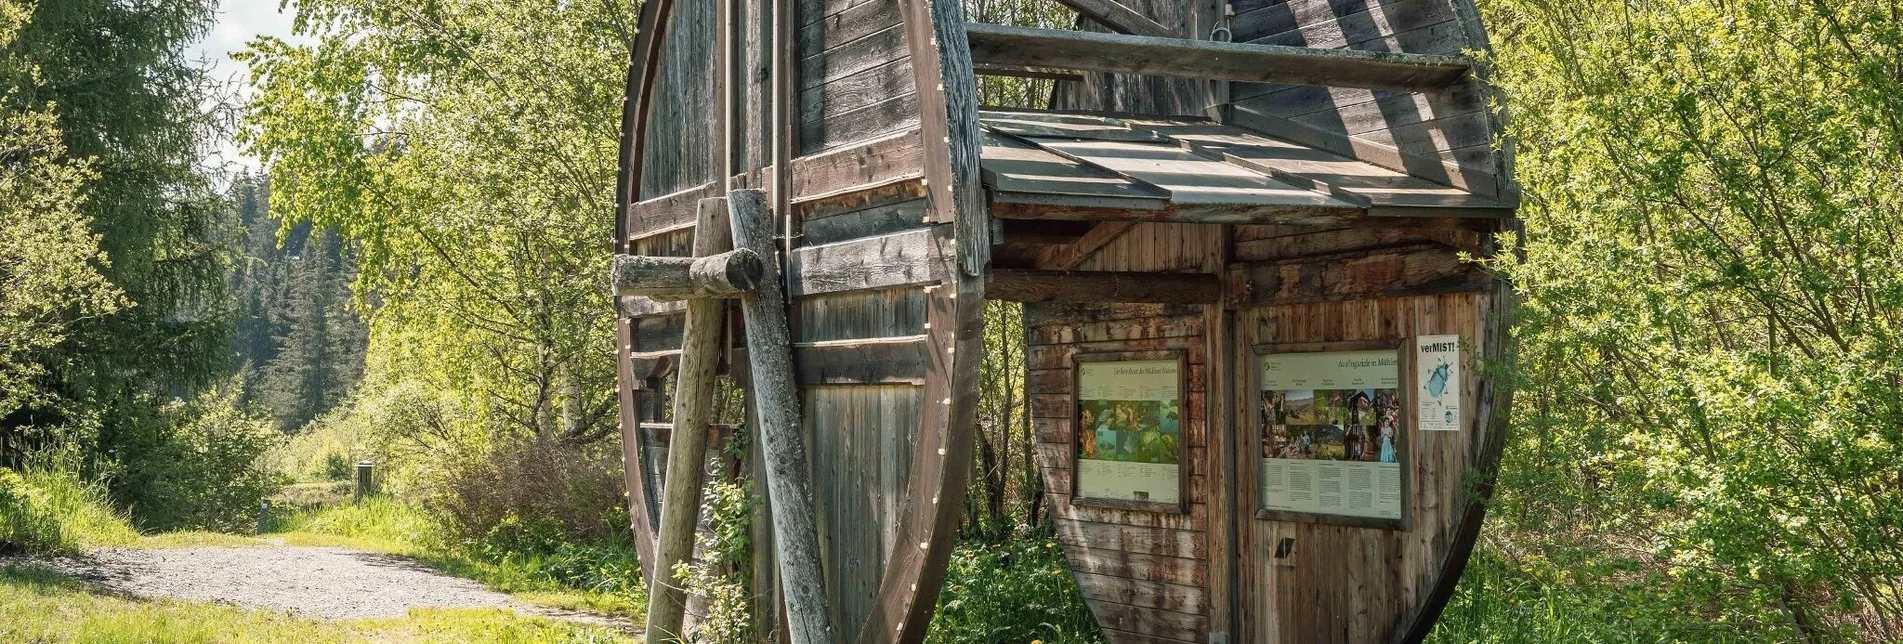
(776, 403)
(687, 447)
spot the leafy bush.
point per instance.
(207, 471)
(1016, 591)
(533, 495)
(336, 467)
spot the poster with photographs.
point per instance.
(1130, 418)
(1331, 433)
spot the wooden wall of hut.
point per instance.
(1158, 576)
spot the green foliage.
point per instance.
(1582, 596)
(300, 342)
(533, 494)
(1711, 287)
(208, 470)
(1017, 591)
(45, 509)
(466, 153)
(49, 259)
(115, 247)
(722, 570)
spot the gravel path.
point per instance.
(324, 583)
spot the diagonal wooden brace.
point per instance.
(777, 406)
(700, 281)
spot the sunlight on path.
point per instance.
(318, 582)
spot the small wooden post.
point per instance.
(776, 402)
(363, 480)
(693, 413)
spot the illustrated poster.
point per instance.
(1130, 430)
(1437, 375)
(1331, 433)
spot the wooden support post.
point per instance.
(681, 278)
(687, 447)
(776, 402)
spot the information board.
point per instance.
(1330, 433)
(1129, 438)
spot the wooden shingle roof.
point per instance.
(1097, 163)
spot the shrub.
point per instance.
(533, 495)
(209, 471)
(336, 467)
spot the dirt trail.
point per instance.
(323, 583)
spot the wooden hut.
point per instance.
(1258, 339)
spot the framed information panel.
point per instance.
(1330, 423)
(1129, 418)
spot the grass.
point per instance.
(42, 606)
(594, 579)
(1583, 597)
(48, 511)
(1020, 590)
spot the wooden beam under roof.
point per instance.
(1019, 285)
(1119, 18)
(1024, 47)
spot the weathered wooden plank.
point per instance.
(899, 360)
(1123, 538)
(1020, 285)
(885, 261)
(1211, 60)
(1473, 178)
(850, 169)
(862, 314)
(693, 408)
(1182, 599)
(1013, 164)
(850, 23)
(1412, 270)
(1338, 23)
(1158, 623)
(1068, 256)
(840, 203)
(667, 213)
(856, 91)
(1119, 18)
(862, 439)
(1008, 206)
(870, 222)
(1114, 636)
(1131, 565)
(875, 49)
(868, 122)
(1352, 240)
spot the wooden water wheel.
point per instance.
(1224, 200)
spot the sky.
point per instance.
(238, 22)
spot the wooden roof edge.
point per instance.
(1478, 181)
